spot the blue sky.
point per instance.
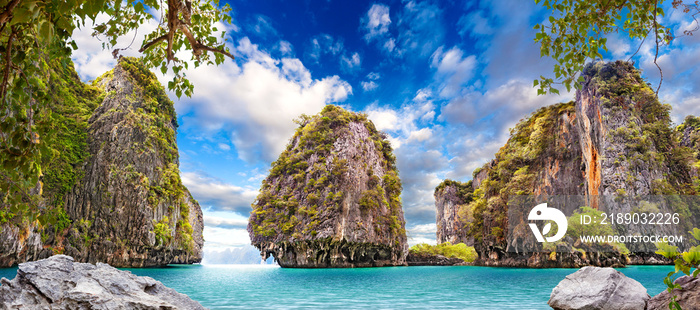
(445, 79)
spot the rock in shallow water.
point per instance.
(593, 288)
(332, 198)
(433, 260)
(60, 283)
(688, 297)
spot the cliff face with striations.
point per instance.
(452, 226)
(332, 197)
(689, 132)
(616, 141)
(111, 191)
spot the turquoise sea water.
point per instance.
(463, 287)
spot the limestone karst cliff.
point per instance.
(612, 146)
(332, 197)
(452, 226)
(689, 132)
(111, 190)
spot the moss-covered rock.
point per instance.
(689, 133)
(540, 158)
(443, 254)
(332, 198)
(615, 141)
(452, 217)
(111, 186)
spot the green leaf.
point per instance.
(674, 306)
(695, 233)
(692, 257)
(666, 250)
(21, 15)
(680, 266)
(45, 30)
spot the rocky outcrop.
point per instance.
(113, 193)
(60, 283)
(19, 243)
(628, 147)
(481, 174)
(612, 149)
(414, 259)
(594, 288)
(642, 258)
(689, 132)
(332, 197)
(146, 216)
(688, 296)
(450, 196)
(606, 288)
(565, 255)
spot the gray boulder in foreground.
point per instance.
(60, 283)
(592, 288)
(688, 297)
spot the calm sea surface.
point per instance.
(464, 287)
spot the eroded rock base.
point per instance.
(328, 253)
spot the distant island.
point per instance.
(332, 197)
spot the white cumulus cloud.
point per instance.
(377, 21)
(257, 102)
(453, 69)
(218, 195)
(369, 85)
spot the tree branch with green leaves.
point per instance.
(686, 262)
(577, 32)
(34, 33)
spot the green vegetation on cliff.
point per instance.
(649, 136)
(155, 116)
(648, 142)
(689, 135)
(62, 131)
(464, 190)
(65, 130)
(110, 150)
(576, 228)
(307, 178)
(617, 139)
(36, 35)
(332, 198)
(515, 172)
(449, 250)
(460, 195)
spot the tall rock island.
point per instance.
(111, 190)
(452, 223)
(332, 197)
(615, 142)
